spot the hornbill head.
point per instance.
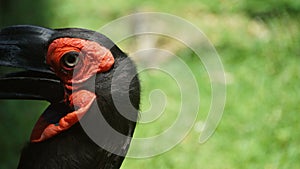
(92, 87)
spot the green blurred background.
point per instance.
(259, 45)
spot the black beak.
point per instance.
(25, 47)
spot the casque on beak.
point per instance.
(25, 47)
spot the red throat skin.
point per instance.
(93, 59)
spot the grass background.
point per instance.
(259, 45)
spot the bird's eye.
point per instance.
(70, 59)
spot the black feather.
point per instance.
(74, 149)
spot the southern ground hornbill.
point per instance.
(92, 87)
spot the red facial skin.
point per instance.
(93, 59)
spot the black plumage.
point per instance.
(88, 144)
